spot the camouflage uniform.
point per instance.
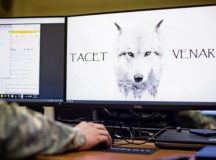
(194, 119)
(181, 118)
(27, 133)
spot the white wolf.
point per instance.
(138, 65)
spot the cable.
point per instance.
(160, 131)
(123, 130)
(143, 117)
(152, 138)
(71, 121)
(131, 131)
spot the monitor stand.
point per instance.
(94, 115)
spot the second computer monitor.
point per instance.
(32, 59)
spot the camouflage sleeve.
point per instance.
(194, 119)
(26, 133)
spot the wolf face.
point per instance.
(138, 67)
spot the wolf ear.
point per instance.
(119, 28)
(158, 26)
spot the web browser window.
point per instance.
(23, 62)
(5, 39)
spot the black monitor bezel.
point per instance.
(41, 102)
(148, 105)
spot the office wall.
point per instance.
(5, 7)
(70, 7)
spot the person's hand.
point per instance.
(95, 134)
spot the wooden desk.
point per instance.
(96, 155)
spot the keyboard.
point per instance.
(128, 150)
(184, 138)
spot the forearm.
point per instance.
(28, 133)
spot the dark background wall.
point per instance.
(70, 7)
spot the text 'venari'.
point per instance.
(194, 53)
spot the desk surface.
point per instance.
(96, 155)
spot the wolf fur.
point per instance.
(139, 66)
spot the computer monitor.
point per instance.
(32, 59)
(160, 57)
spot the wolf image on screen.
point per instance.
(138, 54)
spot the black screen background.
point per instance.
(52, 51)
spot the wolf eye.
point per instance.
(147, 53)
(130, 54)
(122, 54)
(157, 53)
